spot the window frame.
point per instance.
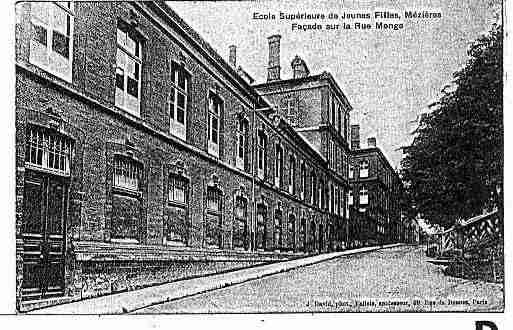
(278, 165)
(303, 179)
(218, 213)
(127, 192)
(363, 191)
(292, 174)
(237, 219)
(242, 133)
(62, 154)
(172, 178)
(50, 30)
(127, 54)
(261, 154)
(132, 164)
(364, 170)
(177, 128)
(215, 101)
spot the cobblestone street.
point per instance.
(396, 279)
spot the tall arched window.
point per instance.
(214, 224)
(261, 154)
(177, 225)
(215, 117)
(302, 235)
(242, 139)
(277, 229)
(178, 100)
(292, 174)
(278, 166)
(126, 202)
(261, 226)
(128, 69)
(240, 225)
(303, 180)
(291, 232)
(313, 188)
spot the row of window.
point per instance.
(327, 196)
(337, 117)
(363, 194)
(128, 94)
(337, 160)
(363, 167)
(48, 150)
(51, 49)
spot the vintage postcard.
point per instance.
(259, 157)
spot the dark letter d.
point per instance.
(489, 324)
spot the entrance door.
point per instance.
(45, 209)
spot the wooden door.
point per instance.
(45, 210)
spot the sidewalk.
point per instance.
(133, 300)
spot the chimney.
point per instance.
(232, 58)
(273, 70)
(371, 142)
(299, 68)
(355, 137)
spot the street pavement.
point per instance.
(395, 280)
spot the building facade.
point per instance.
(317, 109)
(375, 196)
(143, 157)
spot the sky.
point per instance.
(389, 77)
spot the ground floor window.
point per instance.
(213, 225)
(277, 229)
(291, 233)
(240, 225)
(126, 199)
(126, 213)
(261, 226)
(48, 150)
(312, 236)
(176, 220)
(302, 235)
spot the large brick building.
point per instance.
(142, 156)
(317, 109)
(374, 201)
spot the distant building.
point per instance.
(317, 109)
(375, 195)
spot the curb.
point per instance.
(132, 301)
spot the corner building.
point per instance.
(375, 196)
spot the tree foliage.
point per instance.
(454, 166)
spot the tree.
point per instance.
(454, 167)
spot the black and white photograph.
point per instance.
(258, 157)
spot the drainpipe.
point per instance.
(253, 148)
